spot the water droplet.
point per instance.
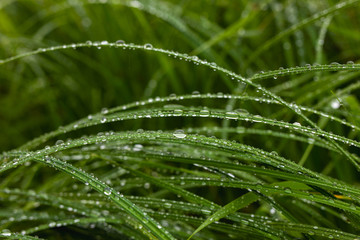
(204, 113)
(242, 111)
(90, 117)
(59, 142)
(335, 104)
(311, 140)
(147, 185)
(178, 112)
(179, 134)
(107, 191)
(195, 93)
(148, 46)
(103, 120)
(297, 124)
(6, 232)
(52, 224)
(272, 211)
(104, 111)
(120, 42)
(274, 153)
(167, 205)
(287, 190)
(195, 58)
(231, 115)
(138, 147)
(104, 42)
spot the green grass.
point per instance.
(157, 119)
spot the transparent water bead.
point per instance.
(242, 111)
(204, 113)
(297, 124)
(179, 134)
(6, 233)
(231, 115)
(148, 46)
(195, 93)
(120, 42)
(178, 112)
(107, 191)
(335, 104)
(104, 111)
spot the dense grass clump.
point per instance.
(160, 119)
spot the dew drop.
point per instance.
(179, 134)
(52, 224)
(103, 120)
(104, 111)
(6, 233)
(297, 124)
(335, 104)
(195, 93)
(242, 111)
(272, 211)
(178, 112)
(120, 42)
(231, 115)
(107, 191)
(148, 46)
(204, 113)
(167, 205)
(311, 140)
(104, 42)
(287, 190)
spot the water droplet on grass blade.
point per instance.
(148, 46)
(6, 233)
(231, 115)
(335, 104)
(107, 191)
(178, 112)
(204, 113)
(104, 111)
(297, 124)
(179, 134)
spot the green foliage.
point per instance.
(179, 119)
